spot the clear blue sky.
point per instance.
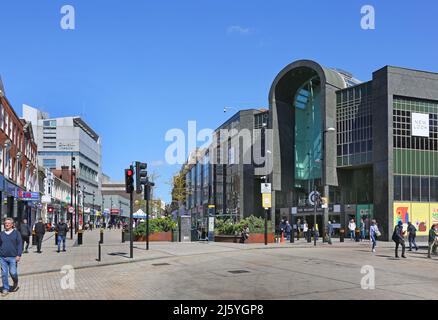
(135, 69)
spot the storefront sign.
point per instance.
(28, 196)
(420, 125)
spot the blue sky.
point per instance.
(135, 69)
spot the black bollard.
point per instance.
(101, 235)
(123, 236)
(79, 237)
(341, 235)
(99, 254)
(56, 238)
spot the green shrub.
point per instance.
(228, 227)
(155, 226)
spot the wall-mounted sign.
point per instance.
(420, 125)
(267, 200)
(266, 188)
(28, 196)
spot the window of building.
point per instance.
(49, 163)
(2, 116)
(416, 189)
(424, 189)
(434, 189)
(397, 188)
(406, 187)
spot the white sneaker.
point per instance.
(374, 250)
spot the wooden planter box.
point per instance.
(159, 236)
(253, 238)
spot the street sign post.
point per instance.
(266, 188)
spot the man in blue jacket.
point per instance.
(11, 248)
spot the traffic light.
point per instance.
(50, 209)
(141, 175)
(129, 180)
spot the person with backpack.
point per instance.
(374, 233)
(412, 235)
(25, 232)
(399, 239)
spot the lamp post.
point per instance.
(324, 182)
(94, 211)
(111, 210)
(72, 173)
(266, 178)
(83, 206)
(76, 193)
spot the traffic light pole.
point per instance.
(131, 236)
(146, 195)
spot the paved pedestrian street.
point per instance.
(223, 271)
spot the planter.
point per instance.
(226, 238)
(253, 238)
(260, 238)
(158, 236)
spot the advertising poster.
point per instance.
(402, 212)
(420, 218)
(434, 213)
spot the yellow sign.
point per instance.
(324, 202)
(267, 200)
(211, 206)
(421, 215)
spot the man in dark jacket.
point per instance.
(40, 230)
(11, 248)
(412, 235)
(432, 241)
(61, 229)
(25, 233)
(399, 239)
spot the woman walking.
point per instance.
(374, 233)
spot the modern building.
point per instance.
(61, 139)
(18, 164)
(224, 179)
(371, 147)
(115, 200)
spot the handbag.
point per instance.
(378, 234)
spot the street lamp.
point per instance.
(72, 173)
(324, 163)
(83, 206)
(94, 211)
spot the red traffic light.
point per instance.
(50, 209)
(129, 173)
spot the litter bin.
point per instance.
(80, 232)
(341, 235)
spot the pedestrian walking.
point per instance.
(305, 229)
(432, 241)
(362, 230)
(298, 228)
(329, 232)
(40, 230)
(412, 234)
(288, 230)
(25, 232)
(352, 228)
(11, 247)
(374, 233)
(399, 239)
(61, 229)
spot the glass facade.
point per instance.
(308, 134)
(415, 157)
(354, 126)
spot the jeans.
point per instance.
(352, 235)
(61, 238)
(402, 244)
(362, 234)
(373, 239)
(412, 242)
(9, 266)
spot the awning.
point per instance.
(139, 214)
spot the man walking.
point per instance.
(329, 232)
(11, 247)
(40, 230)
(288, 230)
(352, 228)
(61, 229)
(399, 239)
(412, 235)
(432, 241)
(25, 233)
